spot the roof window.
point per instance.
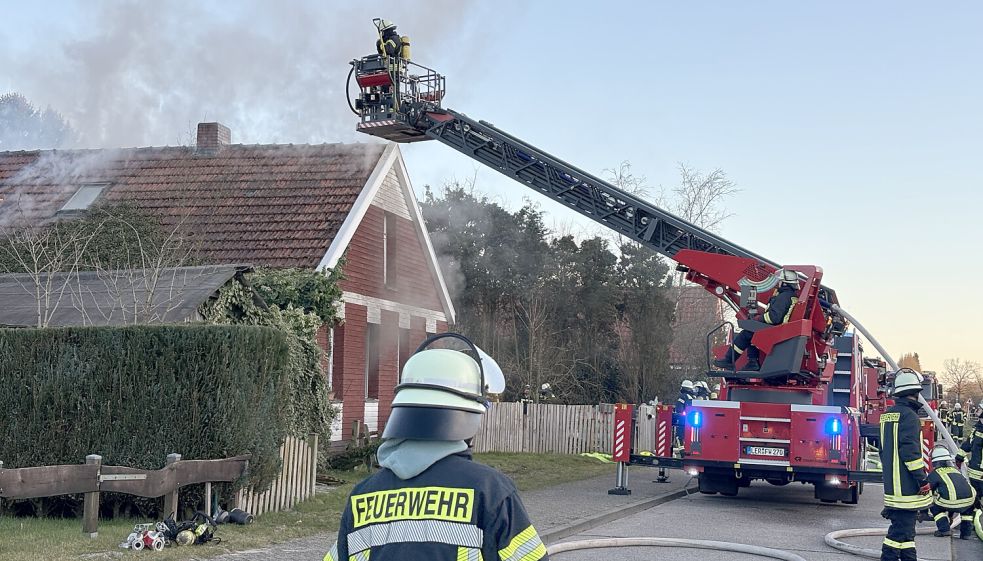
(84, 197)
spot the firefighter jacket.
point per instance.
(973, 447)
(945, 416)
(780, 305)
(950, 489)
(958, 419)
(901, 457)
(683, 401)
(456, 510)
(389, 44)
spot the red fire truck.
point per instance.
(800, 417)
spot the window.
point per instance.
(372, 361)
(389, 241)
(84, 197)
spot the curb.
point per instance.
(584, 524)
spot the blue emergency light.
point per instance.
(695, 419)
(834, 426)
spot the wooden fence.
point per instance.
(294, 484)
(92, 477)
(559, 429)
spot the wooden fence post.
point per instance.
(171, 499)
(90, 504)
(312, 478)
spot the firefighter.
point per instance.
(906, 488)
(702, 390)
(716, 391)
(958, 421)
(389, 43)
(430, 500)
(952, 494)
(687, 391)
(973, 447)
(780, 307)
(944, 414)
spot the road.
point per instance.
(787, 518)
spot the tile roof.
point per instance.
(274, 205)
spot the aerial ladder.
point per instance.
(797, 418)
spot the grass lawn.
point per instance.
(30, 539)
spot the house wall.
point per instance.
(410, 305)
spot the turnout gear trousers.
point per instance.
(901, 457)
(972, 448)
(899, 543)
(456, 510)
(958, 422)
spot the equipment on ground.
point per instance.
(804, 415)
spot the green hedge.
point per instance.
(135, 394)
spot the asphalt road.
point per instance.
(787, 518)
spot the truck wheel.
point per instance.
(854, 495)
(778, 482)
(706, 485)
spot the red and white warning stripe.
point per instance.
(662, 439)
(619, 438)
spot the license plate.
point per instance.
(764, 451)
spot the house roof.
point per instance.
(274, 205)
(113, 297)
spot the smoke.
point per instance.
(138, 74)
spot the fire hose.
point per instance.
(674, 542)
(939, 426)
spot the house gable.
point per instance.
(419, 287)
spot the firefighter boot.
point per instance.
(966, 528)
(943, 524)
(752, 360)
(727, 363)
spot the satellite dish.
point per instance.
(494, 378)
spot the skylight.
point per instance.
(84, 197)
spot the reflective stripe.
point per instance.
(974, 473)
(790, 309)
(526, 546)
(915, 465)
(332, 555)
(360, 556)
(898, 545)
(957, 504)
(978, 523)
(434, 531)
(737, 349)
(938, 517)
(469, 554)
(906, 502)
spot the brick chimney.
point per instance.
(212, 137)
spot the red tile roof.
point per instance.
(274, 205)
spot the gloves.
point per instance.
(925, 489)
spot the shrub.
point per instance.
(135, 394)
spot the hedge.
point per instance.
(135, 394)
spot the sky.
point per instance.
(852, 129)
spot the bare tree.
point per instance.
(42, 252)
(149, 291)
(960, 376)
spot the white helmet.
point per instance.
(958, 406)
(941, 454)
(907, 382)
(441, 394)
(716, 388)
(687, 385)
(944, 403)
(790, 277)
(386, 24)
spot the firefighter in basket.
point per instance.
(429, 500)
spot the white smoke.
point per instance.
(139, 74)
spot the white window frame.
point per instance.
(75, 203)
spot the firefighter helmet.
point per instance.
(687, 385)
(790, 277)
(958, 406)
(941, 454)
(907, 382)
(385, 25)
(441, 394)
(944, 403)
